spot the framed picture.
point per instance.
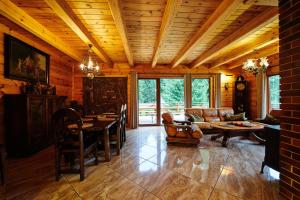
(24, 62)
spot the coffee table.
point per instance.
(233, 129)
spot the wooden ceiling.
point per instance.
(193, 33)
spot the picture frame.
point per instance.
(24, 62)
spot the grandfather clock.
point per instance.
(241, 101)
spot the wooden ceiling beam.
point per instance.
(266, 51)
(216, 19)
(65, 12)
(167, 21)
(21, 18)
(263, 41)
(263, 2)
(245, 31)
(116, 10)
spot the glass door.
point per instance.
(172, 97)
(148, 104)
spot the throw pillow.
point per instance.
(270, 119)
(236, 117)
(194, 117)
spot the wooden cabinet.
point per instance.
(28, 122)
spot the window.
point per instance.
(274, 92)
(200, 92)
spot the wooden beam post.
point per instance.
(263, 41)
(169, 14)
(116, 10)
(20, 17)
(266, 51)
(216, 19)
(245, 31)
(65, 12)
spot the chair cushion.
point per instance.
(197, 133)
(236, 117)
(168, 117)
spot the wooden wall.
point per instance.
(60, 65)
(124, 70)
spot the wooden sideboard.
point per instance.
(28, 122)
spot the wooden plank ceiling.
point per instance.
(210, 34)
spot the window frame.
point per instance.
(269, 107)
(212, 88)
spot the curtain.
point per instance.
(187, 90)
(261, 94)
(218, 90)
(134, 100)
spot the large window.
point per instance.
(201, 92)
(274, 91)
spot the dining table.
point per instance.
(101, 126)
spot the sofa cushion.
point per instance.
(276, 113)
(197, 111)
(203, 125)
(270, 119)
(210, 112)
(212, 119)
(223, 111)
(236, 117)
(194, 117)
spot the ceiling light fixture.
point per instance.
(255, 66)
(89, 64)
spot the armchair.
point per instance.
(181, 131)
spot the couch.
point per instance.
(207, 115)
(181, 131)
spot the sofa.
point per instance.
(207, 115)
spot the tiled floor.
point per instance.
(149, 169)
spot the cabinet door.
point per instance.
(37, 123)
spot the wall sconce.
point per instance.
(226, 86)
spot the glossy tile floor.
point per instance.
(149, 169)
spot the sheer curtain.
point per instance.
(261, 94)
(187, 90)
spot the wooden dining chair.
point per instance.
(3, 171)
(116, 132)
(70, 142)
(124, 118)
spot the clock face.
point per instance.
(240, 86)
